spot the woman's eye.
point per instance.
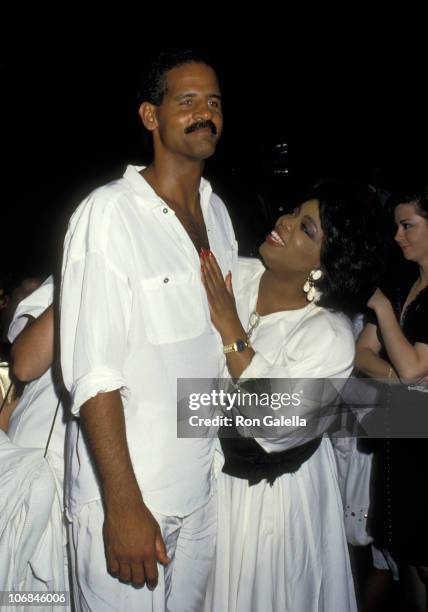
(306, 230)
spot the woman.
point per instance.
(281, 542)
(394, 346)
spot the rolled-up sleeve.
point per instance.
(94, 312)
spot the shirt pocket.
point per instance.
(172, 307)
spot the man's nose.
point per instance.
(203, 111)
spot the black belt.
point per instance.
(245, 458)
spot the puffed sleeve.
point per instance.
(312, 374)
(95, 303)
(32, 306)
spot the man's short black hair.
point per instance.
(153, 81)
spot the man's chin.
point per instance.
(204, 150)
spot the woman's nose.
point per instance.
(286, 222)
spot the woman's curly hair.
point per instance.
(353, 249)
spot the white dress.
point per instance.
(31, 545)
(282, 548)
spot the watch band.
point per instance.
(236, 347)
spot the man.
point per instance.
(134, 318)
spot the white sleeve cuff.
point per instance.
(16, 327)
(102, 380)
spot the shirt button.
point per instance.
(166, 279)
(165, 211)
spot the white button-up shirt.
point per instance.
(135, 317)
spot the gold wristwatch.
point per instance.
(236, 347)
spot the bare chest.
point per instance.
(195, 228)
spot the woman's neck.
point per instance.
(277, 293)
(423, 274)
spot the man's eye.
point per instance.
(214, 103)
(186, 102)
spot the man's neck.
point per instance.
(176, 183)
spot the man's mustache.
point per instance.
(201, 125)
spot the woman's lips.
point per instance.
(274, 239)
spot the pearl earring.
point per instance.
(309, 286)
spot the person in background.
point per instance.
(394, 347)
(31, 334)
(10, 297)
(39, 422)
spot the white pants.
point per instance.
(189, 541)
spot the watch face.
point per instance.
(240, 346)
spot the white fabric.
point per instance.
(30, 422)
(31, 306)
(189, 541)
(31, 546)
(382, 560)
(29, 427)
(353, 466)
(310, 342)
(354, 473)
(135, 317)
(283, 547)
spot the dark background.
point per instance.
(344, 92)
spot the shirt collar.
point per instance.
(141, 186)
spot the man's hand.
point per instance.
(132, 537)
(134, 545)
